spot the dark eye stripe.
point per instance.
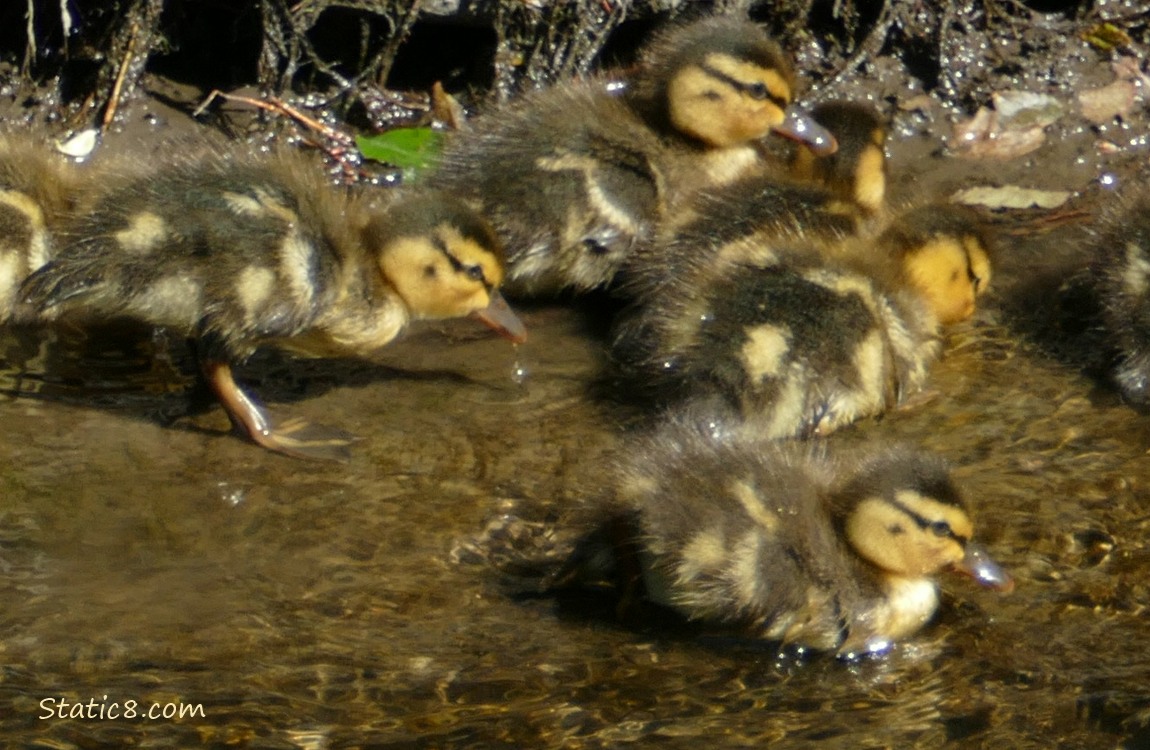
(757, 90)
(941, 528)
(474, 271)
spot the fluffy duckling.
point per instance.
(943, 251)
(857, 171)
(787, 543)
(240, 252)
(38, 191)
(574, 175)
(825, 195)
(791, 339)
(1118, 280)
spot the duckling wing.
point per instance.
(789, 348)
(568, 178)
(738, 531)
(214, 245)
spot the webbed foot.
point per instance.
(294, 436)
(301, 438)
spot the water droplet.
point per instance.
(231, 494)
(519, 371)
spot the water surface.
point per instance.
(148, 555)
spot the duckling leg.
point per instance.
(623, 535)
(295, 436)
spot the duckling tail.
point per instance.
(49, 288)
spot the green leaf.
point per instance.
(1106, 37)
(413, 150)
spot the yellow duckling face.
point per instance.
(907, 518)
(445, 262)
(909, 534)
(724, 83)
(950, 273)
(441, 274)
(724, 101)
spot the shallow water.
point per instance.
(147, 555)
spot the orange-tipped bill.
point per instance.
(978, 565)
(502, 319)
(801, 127)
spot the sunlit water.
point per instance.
(147, 555)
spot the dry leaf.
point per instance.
(1103, 104)
(1014, 127)
(1011, 196)
(1023, 110)
(446, 109)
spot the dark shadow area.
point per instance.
(145, 374)
(462, 58)
(212, 45)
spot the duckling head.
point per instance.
(945, 255)
(904, 515)
(722, 82)
(857, 171)
(444, 261)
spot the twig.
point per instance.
(869, 46)
(1051, 220)
(399, 32)
(281, 108)
(30, 49)
(118, 84)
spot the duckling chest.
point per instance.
(908, 605)
(354, 325)
(709, 169)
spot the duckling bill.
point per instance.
(240, 252)
(786, 543)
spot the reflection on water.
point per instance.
(147, 555)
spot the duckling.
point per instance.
(943, 251)
(857, 171)
(790, 338)
(574, 175)
(239, 252)
(787, 542)
(1118, 282)
(825, 195)
(38, 191)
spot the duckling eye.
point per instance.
(429, 271)
(976, 281)
(941, 528)
(757, 90)
(475, 273)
